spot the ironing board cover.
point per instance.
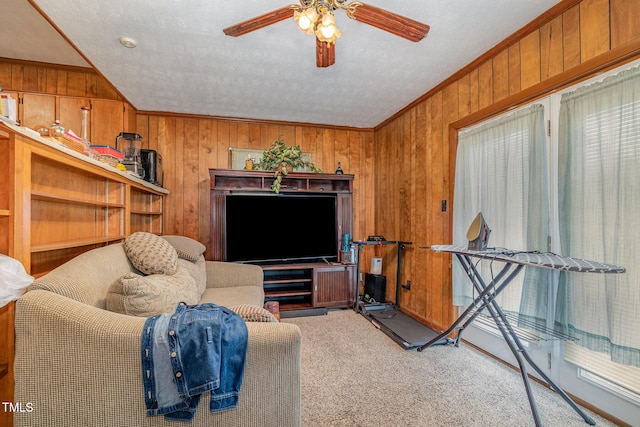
(537, 259)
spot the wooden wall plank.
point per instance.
(437, 305)
(423, 171)
(16, 78)
(474, 91)
(515, 71)
(406, 212)
(165, 135)
(625, 16)
(176, 152)
(571, 37)
(354, 155)
(191, 179)
(207, 158)
(501, 76)
(551, 53)
(464, 94)
(485, 84)
(327, 160)
(5, 75)
(530, 59)
(30, 79)
(594, 28)
(341, 152)
(52, 81)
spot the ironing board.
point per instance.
(513, 261)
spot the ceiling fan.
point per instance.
(316, 17)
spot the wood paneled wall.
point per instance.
(566, 44)
(24, 76)
(190, 146)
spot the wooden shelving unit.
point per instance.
(59, 203)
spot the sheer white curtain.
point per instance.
(501, 171)
(599, 205)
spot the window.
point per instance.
(598, 199)
(593, 176)
(501, 172)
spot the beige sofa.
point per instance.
(78, 364)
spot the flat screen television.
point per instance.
(283, 228)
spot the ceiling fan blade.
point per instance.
(259, 21)
(325, 54)
(391, 22)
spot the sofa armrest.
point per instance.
(229, 274)
(80, 365)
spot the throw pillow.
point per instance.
(187, 248)
(253, 313)
(146, 296)
(151, 254)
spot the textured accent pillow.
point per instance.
(146, 296)
(253, 313)
(187, 248)
(151, 254)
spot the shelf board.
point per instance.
(280, 294)
(5, 212)
(285, 281)
(74, 243)
(145, 213)
(50, 197)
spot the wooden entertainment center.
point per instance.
(294, 285)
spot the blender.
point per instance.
(130, 144)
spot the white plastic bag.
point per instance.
(13, 279)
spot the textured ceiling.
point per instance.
(185, 64)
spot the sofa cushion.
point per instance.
(198, 271)
(186, 248)
(146, 296)
(253, 313)
(151, 254)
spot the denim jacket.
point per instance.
(198, 348)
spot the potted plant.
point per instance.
(281, 160)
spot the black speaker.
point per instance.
(375, 285)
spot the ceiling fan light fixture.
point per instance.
(326, 29)
(306, 20)
(316, 17)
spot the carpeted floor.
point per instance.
(354, 375)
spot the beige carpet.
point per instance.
(354, 375)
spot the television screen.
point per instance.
(281, 228)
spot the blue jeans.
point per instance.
(196, 349)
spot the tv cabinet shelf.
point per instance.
(290, 285)
(293, 285)
(241, 180)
